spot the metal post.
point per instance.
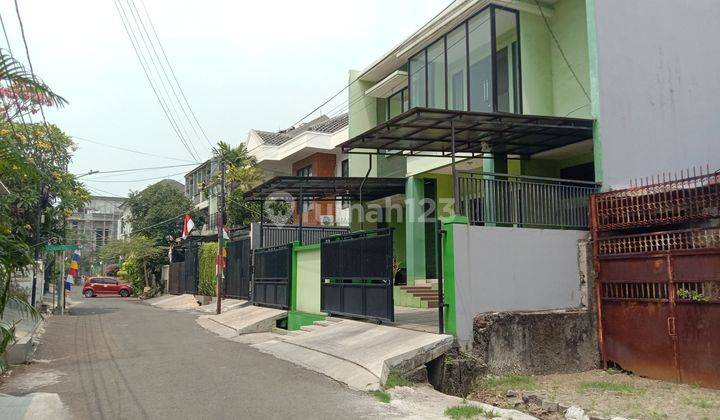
(300, 216)
(262, 223)
(362, 185)
(38, 225)
(456, 188)
(221, 233)
(441, 296)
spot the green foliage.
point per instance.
(693, 295)
(502, 384)
(156, 204)
(146, 258)
(469, 412)
(382, 396)
(242, 173)
(132, 271)
(207, 261)
(394, 380)
(609, 387)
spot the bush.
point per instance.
(132, 271)
(207, 257)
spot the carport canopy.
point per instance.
(430, 132)
(327, 188)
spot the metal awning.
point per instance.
(327, 188)
(425, 131)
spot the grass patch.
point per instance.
(701, 402)
(382, 396)
(609, 386)
(501, 384)
(394, 380)
(468, 412)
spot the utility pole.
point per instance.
(221, 230)
(38, 225)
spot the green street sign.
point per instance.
(62, 247)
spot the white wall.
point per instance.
(513, 269)
(658, 82)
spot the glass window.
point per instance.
(480, 63)
(405, 100)
(307, 172)
(507, 63)
(436, 74)
(416, 75)
(457, 67)
(395, 105)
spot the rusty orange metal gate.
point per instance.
(658, 291)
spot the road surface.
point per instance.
(114, 358)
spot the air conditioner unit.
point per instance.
(327, 219)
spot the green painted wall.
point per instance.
(307, 285)
(594, 86)
(362, 116)
(537, 80)
(299, 319)
(569, 24)
(414, 230)
(448, 250)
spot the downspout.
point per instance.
(362, 184)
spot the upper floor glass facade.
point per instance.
(473, 67)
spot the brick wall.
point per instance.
(323, 164)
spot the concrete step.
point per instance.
(324, 323)
(428, 293)
(310, 328)
(280, 331)
(415, 288)
(433, 304)
(428, 298)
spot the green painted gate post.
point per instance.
(448, 250)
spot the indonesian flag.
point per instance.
(188, 226)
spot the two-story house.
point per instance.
(309, 150)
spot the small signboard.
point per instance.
(62, 247)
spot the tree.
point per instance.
(242, 173)
(140, 247)
(156, 204)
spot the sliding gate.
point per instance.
(271, 277)
(236, 283)
(357, 275)
(183, 276)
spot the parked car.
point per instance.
(105, 286)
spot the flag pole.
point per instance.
(221, 232)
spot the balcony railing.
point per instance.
(524, 201)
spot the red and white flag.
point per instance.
(187, 226)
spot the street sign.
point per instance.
(62, 247)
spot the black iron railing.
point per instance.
(524, 201)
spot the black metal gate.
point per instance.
(271, 276)
(357, 275)
(237, 277)
(189, 279)
(175, 278)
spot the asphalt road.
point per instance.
(114, 358)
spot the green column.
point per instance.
(414, 230)
(448, 251)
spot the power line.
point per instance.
(141, 59)
(135, 180)
(130, 150)
(161, 73)
(172, 71)
(142, 169)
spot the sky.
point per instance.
(241, 64)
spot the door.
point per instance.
(100, 285)
(430, 212)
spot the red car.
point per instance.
(105, 286)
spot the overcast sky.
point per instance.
(242, 64)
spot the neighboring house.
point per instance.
(541, 101)
(308, 150)
(203, 197)
(95, 225)
(124, 227)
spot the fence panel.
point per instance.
(271, 276)
(177, 271)
(281, 235)
(357, 276)
(237, 279)
(189, 280)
